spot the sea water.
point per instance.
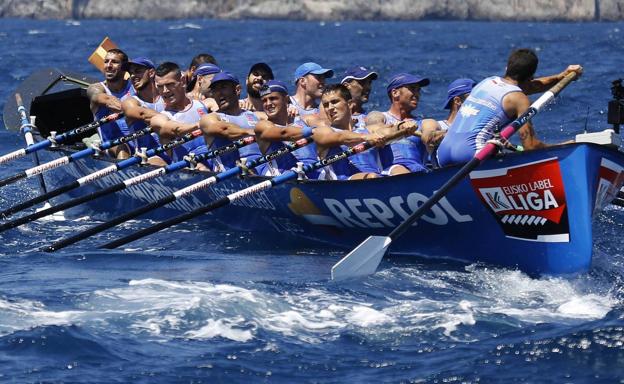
(197, 305)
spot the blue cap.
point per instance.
(402, 79)
(223, 76)
(358, 73)
(142, 61)
(206, 69)
(313, 68)
(457, 88)
(273, 86)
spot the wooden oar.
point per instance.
(26, 129)
(127, 183)
(365, 258)
(286, 176)
(41, 168)
(59, 138)
(288, 147)
(99, 174)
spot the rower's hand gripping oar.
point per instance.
(99, 174)
(58, 139)
(61, 161)
(127, 183)
(365, 258)
(286, 176)
(289, 147)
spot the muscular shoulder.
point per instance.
(95, 89)
(375, 117)
(515, 103)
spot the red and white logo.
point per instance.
(610, 180)
(527, 200)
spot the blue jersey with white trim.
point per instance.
(118, 128)
(409, 152)
(192, 114)
(246, 120)
(367, 161)
(479, 117)
(151, 140)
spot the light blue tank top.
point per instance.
(409, 152)
(246, 120)
(303, 111)
(192, 114)
(148, 141)
(362, 162)
(367, 161)
(117, 128)
(479, 117)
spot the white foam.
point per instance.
(220, 328)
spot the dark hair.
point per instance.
(201, 59)
(168, 67)
(522, 64)
(338, 88)
(117, 51)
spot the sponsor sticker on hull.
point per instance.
(528, 200)
(610, 179)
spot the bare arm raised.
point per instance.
(99, 98)
(542, 84)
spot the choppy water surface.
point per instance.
(212, 306)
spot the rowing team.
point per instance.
(207, 98)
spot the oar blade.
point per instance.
(363, 260)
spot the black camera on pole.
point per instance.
(615, 113)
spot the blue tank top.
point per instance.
(301, 110)
(479, 117)
(345, 168)
(409, 152)
(148, 141)
(192, 114)
(367, 161)
(246, 120)
(118, 128)
(306, 155)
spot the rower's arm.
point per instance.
(212, 125)
(542, 84)
(515, 104)
(431, 134)
(266, 130)
(98, 98)
(167, 128)
(133, 110)
(327, 137)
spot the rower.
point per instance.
(358, 81)
(280, 127)
(140, 108)
(203, 77)
(310, 82)
(458, 91)
(257, 77)
(230, 123)
(192, 87)
(181, 114)
(495, 102)
(105, 98)
(407, 154)
(343, 132)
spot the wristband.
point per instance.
(306, 131)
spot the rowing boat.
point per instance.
(532, 211)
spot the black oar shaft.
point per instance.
(167, 223)
(39, 199)
(109, 224)
(12, 179)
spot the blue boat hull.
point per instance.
(532, 211)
